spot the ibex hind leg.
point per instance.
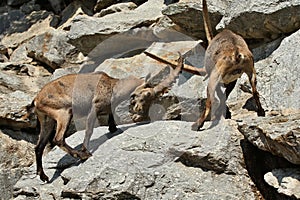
(228, 90)
(46, 133)
(112, 127)
(63, 119)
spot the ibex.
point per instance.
(94, 94)
(226, 59)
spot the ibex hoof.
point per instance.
(44, 177)
(196, 127)
(261, 113)
(84, 155)
(112, 129)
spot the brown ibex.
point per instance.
(92, 94)
(226, 59)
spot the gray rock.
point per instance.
(28, 27)
(52, 49)
(25, 23)
(183, 99)
(278, 84)
(187, 14)
(16, 2)
(57, 5)
(73, 9)
(121, 7)
(29, 7)
(101, 4)
(257, 20)
(279, 135)
(14, 156)
(88, 32)
(286, 181)
(3, 58)
(7, 18)
(265, 20)
(18, 85)
(146, 162)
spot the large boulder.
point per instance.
(188, 16)
(262, 20)
(255, 20)
(278, 84)
(87, 32)
(151, 161)
(14, 157)
(28, 26)
(52, 49)
(279, 135)
(19, 84)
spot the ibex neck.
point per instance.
(123, 88)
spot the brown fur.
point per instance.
(88, 95)
(227, 58)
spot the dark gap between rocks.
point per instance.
(258, 163)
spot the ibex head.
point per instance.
(143, 96)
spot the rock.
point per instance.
(279, 135)
(73, 9)
(121, 7)
(3, 58)
(34, 24)
(262, 21)
(146, 162)
(18, 86)
(31, 19)
(20, 55)
(88, 32)
(14, 156)
(286, 181)
(16, 2)
(8, 18)
(187, 14)
(141, 65)
(29, 7)
(278, 84)
(3, 49)
(52, 49)
(101, 4)
(185, 93)
(265, 50)
(266, 20)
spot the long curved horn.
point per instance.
(166, 83)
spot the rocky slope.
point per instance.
(246, 157)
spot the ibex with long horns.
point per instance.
(226, 59)
(93, 94)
